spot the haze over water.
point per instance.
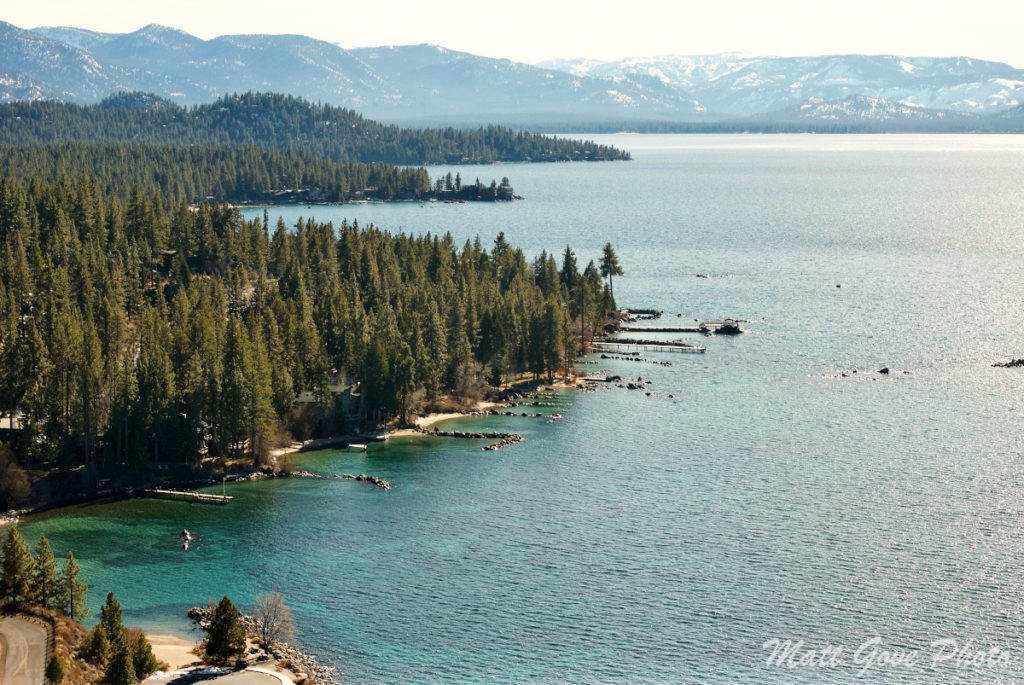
(657, 539)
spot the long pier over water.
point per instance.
(190, 496)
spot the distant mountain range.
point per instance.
(430, 84)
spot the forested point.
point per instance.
(238, 175)
(283, 122)
(136, 339)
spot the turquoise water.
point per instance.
(656, 539)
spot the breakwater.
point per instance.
(502, 439)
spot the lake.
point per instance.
(785, 491)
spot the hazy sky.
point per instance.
(532, 30)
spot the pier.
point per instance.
(189, 496)
(664, 329)
(648, 346)
(704, 327)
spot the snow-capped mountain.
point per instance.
(429, 83)
(418, 81)
(444, 81)
(730, 85)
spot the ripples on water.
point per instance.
(648, 539)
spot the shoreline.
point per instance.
(421, 423)
(175, 651)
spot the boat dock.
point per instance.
(701, 328)
(663, 329)
(648, 346)
(189, 496)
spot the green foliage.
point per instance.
(610, 266)
(161, 336)
(18, 567)
(45, 587)
(282, 122)
(55, 670)
(230, 174)
(110, 619)
(95, 646)
(121, 669)
(72, 590)
(144, 662)
(225, 638)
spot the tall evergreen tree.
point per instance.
(610, 266)
(225, 638)
(55, 670)
(121, 669)
(18, 567)
(144, 662)
(45, 587)
(73, 589)
(110, 619)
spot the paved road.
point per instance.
(250, 678)
(22, 652)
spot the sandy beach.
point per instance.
(430, 419)
(175, 651)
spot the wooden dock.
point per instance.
(703, 327)
(663, 329)
(190, 496)
(649, 346)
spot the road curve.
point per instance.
(22, 652)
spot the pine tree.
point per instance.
(96, 647)
(225, 638)
(121, 669)
(73, 590)
(110, 619)
(610, 266)
(143, 659)
(44, 580)
(569, 274)
(55, 670)
(18, 566)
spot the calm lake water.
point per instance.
(650, 539)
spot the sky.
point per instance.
(535, 30)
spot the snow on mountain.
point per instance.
(66, 72)
(730, 85)
(429, 82)
(79, 38)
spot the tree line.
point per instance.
(247, 174)
(282, 122)
(133, 337)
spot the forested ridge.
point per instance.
(282, 122)
(243, 174)
(133, 337)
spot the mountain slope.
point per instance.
(71, 73)
(729, 85)
(428, 83)
(397, 82)
(447, 81)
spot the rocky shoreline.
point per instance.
(302, 663)
(503, 439)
